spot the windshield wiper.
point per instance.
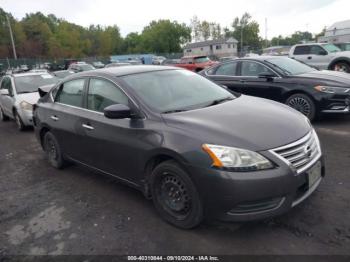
(174, 111)
(219, 101)
(26, 92)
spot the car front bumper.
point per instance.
(26, 116)
(335, 104)
(246, 196)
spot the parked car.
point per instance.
(80, 67)
(322, 56)
(195, 63)
(63, 73)
(193, 147)
(170, 62)
(98, 64)
(343, 46)
(117, 64)
(158, 60)
(18, 94)
(310, 91)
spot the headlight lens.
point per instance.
(236, 159)
(332, 89)
(26, 106)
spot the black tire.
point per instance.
(19, 122)
(304, 104)
(341, 67)
(3, 117)
(53, 151)
(175, 196)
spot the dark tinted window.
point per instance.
(250, 68)
(315, 50)
(302, 50)
(103, 93)
(228, 69)
(71, 93)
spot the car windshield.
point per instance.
(289, 66)
(31, 83)
(176, 90)
(331, 48)
(201, 59)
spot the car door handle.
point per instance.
(55, 118)
(88, 127)
(242, 81)
(309, 57)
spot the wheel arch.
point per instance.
(337, 60)
(42, 133)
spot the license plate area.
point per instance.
(314, 174)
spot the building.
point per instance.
(339, 32)
(218, 48)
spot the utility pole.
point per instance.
(12, 41)
(241, 38)
(266, 45)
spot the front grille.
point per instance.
(301, 154)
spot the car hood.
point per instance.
(246, 122)
(339, 78)
(31, 98)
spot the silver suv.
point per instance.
(322, 56)
(18, 94)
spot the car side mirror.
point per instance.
(322, 52)
(117, 111)
(4, 92)
(267, 75)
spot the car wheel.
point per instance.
(3, 117)
(303, 104)
(53, 151)
(175, 196)
(342, 67)
(19, 121)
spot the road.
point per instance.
(78, 211)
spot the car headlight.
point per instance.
(26, 106)
(236, 159)
(332, 89)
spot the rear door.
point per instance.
(64, 115)
(252, 85)
(226, 74)
(302, 53)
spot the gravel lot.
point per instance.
(78, 211)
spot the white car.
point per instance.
(323, 56)
(18, 94)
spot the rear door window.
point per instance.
(250, 68)
(71, 93)
(302, 50)
(228, 69)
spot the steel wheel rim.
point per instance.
(173, 196)
(300, 104)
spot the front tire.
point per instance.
(342, 67)
(3, 117)
(53, 151)
(19, 122)
(175, 196)
(303, 104)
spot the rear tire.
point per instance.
(3, 117)
(303, 104)
(175, 196)
(53, 151)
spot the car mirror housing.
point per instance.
(4, 92)
(117, 111)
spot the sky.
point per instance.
(284, 17)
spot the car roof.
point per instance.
(259, 58)
(127, 70)
(30, 74)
